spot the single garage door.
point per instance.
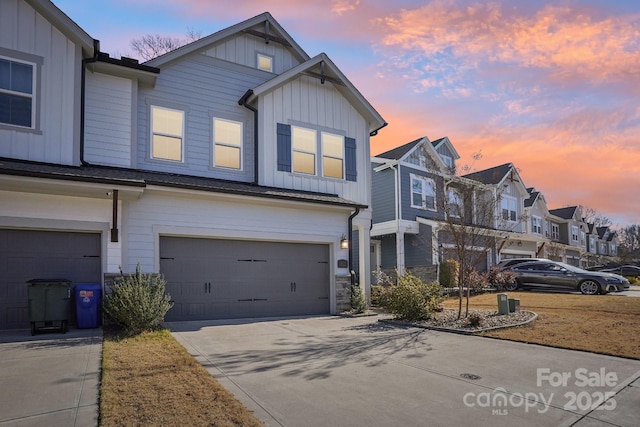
(224, 279)
(30, 254)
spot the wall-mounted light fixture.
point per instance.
(344, 243)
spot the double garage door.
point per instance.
(223, 279)
(31, 254)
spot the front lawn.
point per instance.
(606, 324)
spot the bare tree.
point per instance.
(629, 247)
(591, 216)
(153, 45)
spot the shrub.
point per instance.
(449, 273)
(376, 293)
(475, 281)
(358, 300)
(499, 279)
(412, 299)
(137, 302)
(474, 320)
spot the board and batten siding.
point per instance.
(56, 136)
(244, 49)
(211, 216)
(306, 102)
(108, 120)
(383, 200)
(202, 87)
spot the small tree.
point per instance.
(358, 300)
(137, 302)
(412, 299)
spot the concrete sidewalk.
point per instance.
(335, 371)
(50, 379)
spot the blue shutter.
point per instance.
(351, 172)
(284, 147)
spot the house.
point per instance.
(569, 229)
(408, 185)
(236, 166)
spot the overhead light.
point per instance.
(344, 243)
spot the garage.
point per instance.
(30, 254)
(225, 279)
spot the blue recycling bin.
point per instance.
(88, 304)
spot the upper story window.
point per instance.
(332, 155)
(555, 231)
(592, 244)
(313, 152)
(265, 62)
(448, 160)
(167, 133)
(17, 92)
(454, 203)
(583, 237)
(574, 233)
(509, 209)
(536, 224)
(227, 140)
(423, 192)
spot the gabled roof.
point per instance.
(322, 67)
(445, 141)
(492, 176)
(533, 196)
(65, 24)
(564, 213)
(272, 31)
(399, 152)
(136, 178)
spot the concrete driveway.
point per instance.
(337, 371)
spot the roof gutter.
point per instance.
(375, 132)
(244, 102)
(85, 61)
(352, 273)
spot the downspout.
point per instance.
(350, 231)
(375, 132)
(243, 101)
(85, 61)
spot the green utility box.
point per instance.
(503, 304)
(49, 303)
(514, 305)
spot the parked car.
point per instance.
(560, 276)
(510, 262)
(624, 270)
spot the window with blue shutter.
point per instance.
(284, 147)
(351, 171)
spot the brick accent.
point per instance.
(343, 293)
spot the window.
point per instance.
(423, 194)
(592, 244)
(304, 150)
(332, 155)
(448, 161)
(574, 233)
(455, 207)
(509, 212)
(265, 62)
(536, 224)
(17, 92)
(227, 139)
(555, 231)
(167, 130)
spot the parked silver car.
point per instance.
(550, 275)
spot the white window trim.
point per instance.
(342, 159)
(509, 201)
(264, 55)
(426, 181)
(539, 221)
(575, 233)
(241, 146)
(555, 231)
(459, 203)
(36, 64)
(318, 153)
(152, 133)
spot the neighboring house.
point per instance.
(235, 166)
(408, 185)
(571, 232)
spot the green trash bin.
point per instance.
(49, 303)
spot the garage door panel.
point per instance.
(246, 278)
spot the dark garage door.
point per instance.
(29, 254)
(223, 279)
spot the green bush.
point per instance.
(412, 299)
(358, 300)
(137, 302)
(449, 273)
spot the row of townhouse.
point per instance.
(237, 166)
(409, 185)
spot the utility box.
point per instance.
(514, 305)
(503, 304)
(49, 301)
(88, 304)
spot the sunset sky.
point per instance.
(550, 86)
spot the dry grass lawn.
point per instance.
(151, 380)
(606, 324)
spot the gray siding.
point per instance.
(383, 195)
(388, 252)
(418, 249)
(204, 88)
(409, 213)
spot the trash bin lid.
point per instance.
(34, 281)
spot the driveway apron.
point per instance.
(340, 371)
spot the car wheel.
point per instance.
(511, 286)
(589, 287)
